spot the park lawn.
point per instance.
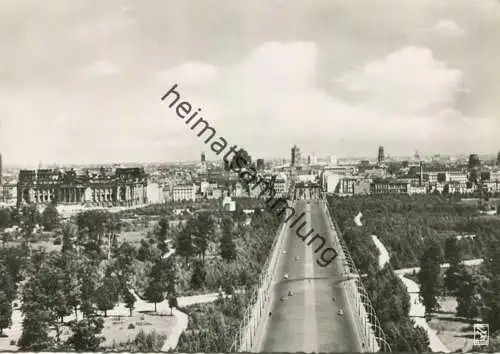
(116, 328)
(48, 245)
(455, 332)
(132, 237)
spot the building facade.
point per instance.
(384, 187)
(184, 192)
(296, 157)
(124, 187)
(381, 154)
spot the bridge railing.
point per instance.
(372, 333)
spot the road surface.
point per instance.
(308, 321)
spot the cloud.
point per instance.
(448, 28)
(274, 97)
(409, 81)
(102, 68)
(190, 73)
(104, 27)
(268, 101)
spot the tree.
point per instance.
(162, 232)
(172, 303)
(69, 233)
(144, 251)
(123, 265)
(151, 342)
(491, 290)
(6, 219)
(52, 279)
(7, 283)
(30, 217)
(129, 300)
(199, 275)
(87, 278)
(453, 256)
(96, 227)
(5, 311)
(13, 260)
(156, 287)
(452, 278)
(171, 275)
(227, 247)
(85, 334)
(108, 294)
(35, 336)
(184, 244)
(429, 277)
(203, 231)
(452, 251)
(50, 217)
(467, 296)
(71, 285)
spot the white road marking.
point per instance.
(310, 330)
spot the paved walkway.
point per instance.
(417, 309)
(16, 329)
(470, 262)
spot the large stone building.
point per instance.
(124, 187)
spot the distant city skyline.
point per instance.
(81, 82)
(321, 159)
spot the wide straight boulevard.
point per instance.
(308, 320)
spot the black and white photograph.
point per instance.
(224, 176)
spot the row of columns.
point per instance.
(314, 193)
(133, 194)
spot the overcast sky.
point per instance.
(81, 80)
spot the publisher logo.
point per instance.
(481, 334)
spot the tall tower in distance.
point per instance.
(295, 156)
(421, 174)
(203, 159)
(381, 155)
(1, 169)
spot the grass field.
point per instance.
(456, 333)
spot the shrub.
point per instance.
(131, 326)
(57, 241)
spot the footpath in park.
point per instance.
(180, 318)
(417, 309)
(179, 325)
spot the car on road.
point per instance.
(285, 276)
(340, 312)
